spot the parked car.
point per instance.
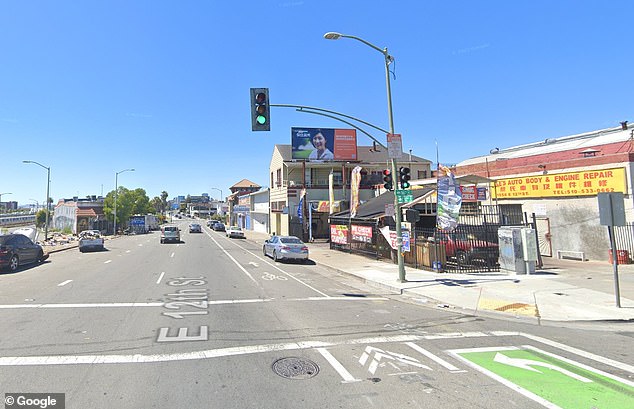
(218, 227)
(195, 228)
(235, 231)
(467, 249)
(285, 248)
(170, 233)
(90, 240)
(17, 250)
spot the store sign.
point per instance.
(584, 183)
(468, 193)
(361, 233)
(338, 234)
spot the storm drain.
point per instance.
(295, 368)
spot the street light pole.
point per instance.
(397, 208)
(116, 188)
(48, 185)
(37, 204)
(220, 190)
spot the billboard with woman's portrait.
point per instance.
(324, 144)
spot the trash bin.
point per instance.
(622, 256)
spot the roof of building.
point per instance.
(583, 142)
(375, 207)
(366, 154)
(245, 183)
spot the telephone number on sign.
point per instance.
(583, 191)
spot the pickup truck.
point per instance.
(467, 249)
(90, 240)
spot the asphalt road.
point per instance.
(212, 323)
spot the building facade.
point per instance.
(557, 181)
(323, 187)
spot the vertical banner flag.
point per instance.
(300, 206)
(331, 191)
(354, 190)
(449, 200)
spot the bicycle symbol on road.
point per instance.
(271, 277)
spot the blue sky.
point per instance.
(91, 88)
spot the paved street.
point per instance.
(211, 322)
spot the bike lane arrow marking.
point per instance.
(559, 383)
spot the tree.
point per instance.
(157, 204)
(164, 196)
(129, 202)
(40, 218)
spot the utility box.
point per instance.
(518, 250)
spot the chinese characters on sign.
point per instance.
(585, 183)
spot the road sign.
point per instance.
(549, 379)
(394, 146)
(404, 196)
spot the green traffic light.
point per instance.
(261, 119)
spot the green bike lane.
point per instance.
(550, 379)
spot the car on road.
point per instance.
(90, 240)
(235, 231)
(17, 250)
(195, 228)
(285, 248)
(170, 233)
(218, 227)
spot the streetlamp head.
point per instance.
(332, 36)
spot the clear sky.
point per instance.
(90, 88)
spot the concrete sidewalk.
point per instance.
(563, 290)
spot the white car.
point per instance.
(285, 248)
(235, 231)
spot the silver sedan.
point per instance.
(285, 248)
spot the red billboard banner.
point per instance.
(345, 144)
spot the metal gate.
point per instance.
(543, 237)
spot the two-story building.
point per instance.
(324, 187)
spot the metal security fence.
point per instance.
(471, 247)
(624, 239)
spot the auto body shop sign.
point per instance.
(584, 183)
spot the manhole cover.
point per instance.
(295, 368)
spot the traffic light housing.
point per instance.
(388, 183)
(260, 110)
(404, 177)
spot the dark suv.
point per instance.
(17, 250)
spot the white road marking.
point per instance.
(160, 304)
(343, 372)
(107, 261)
(160, 277)
(589, 355)
(185, 356)
(433, 357)
(275, 267)
(127, 251)
(528, 365)
(234, 260)
(172, 255)
(63, 283)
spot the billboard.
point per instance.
(324, 144)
